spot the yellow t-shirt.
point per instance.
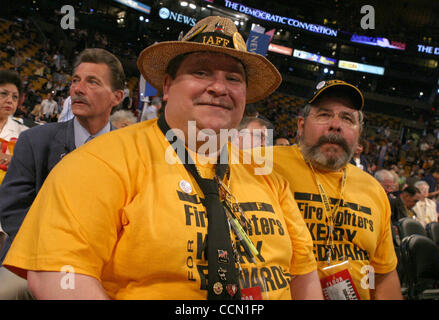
(115, 210)
(362, 223)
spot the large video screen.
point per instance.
(355, 66)
(314, 57)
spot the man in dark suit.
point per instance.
(358, 159)
(97, 87)
(402, 206)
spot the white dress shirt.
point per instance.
(49, 107)
(66, 113)
(425, 211)
(12, 129)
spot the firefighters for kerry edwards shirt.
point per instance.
(362, 223)
(346, 209)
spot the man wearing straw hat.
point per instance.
(141, 219)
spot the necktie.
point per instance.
(89, 138)
(223, 275)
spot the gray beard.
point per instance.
(322, 161)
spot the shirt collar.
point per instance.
(81, 134)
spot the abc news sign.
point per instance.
(165, 14)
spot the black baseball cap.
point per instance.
(351, 91)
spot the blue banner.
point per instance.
(145, 89)
(258, 43)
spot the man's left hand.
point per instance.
(5, 159)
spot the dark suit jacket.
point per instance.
(37, 151)
(363, 162)
(398, 209)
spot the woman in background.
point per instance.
(10, 129)
(425, 208)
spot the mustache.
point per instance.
(333, 139)
(77, 98)
(218, 103)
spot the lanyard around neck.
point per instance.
(327, 206)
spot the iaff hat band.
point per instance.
(214, 39)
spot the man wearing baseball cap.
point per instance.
(151, 213)
(345, 209)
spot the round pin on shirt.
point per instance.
(217, 288)
(185, 186)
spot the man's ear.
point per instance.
(167, 81)
(117, 97)
(300, 125)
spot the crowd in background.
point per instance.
(45, 67)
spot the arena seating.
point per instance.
(420, 258)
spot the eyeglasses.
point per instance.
(323, 116)
(5, 93)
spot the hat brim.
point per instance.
(352, 92)
(262, 76)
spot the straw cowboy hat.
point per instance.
(212, 34)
